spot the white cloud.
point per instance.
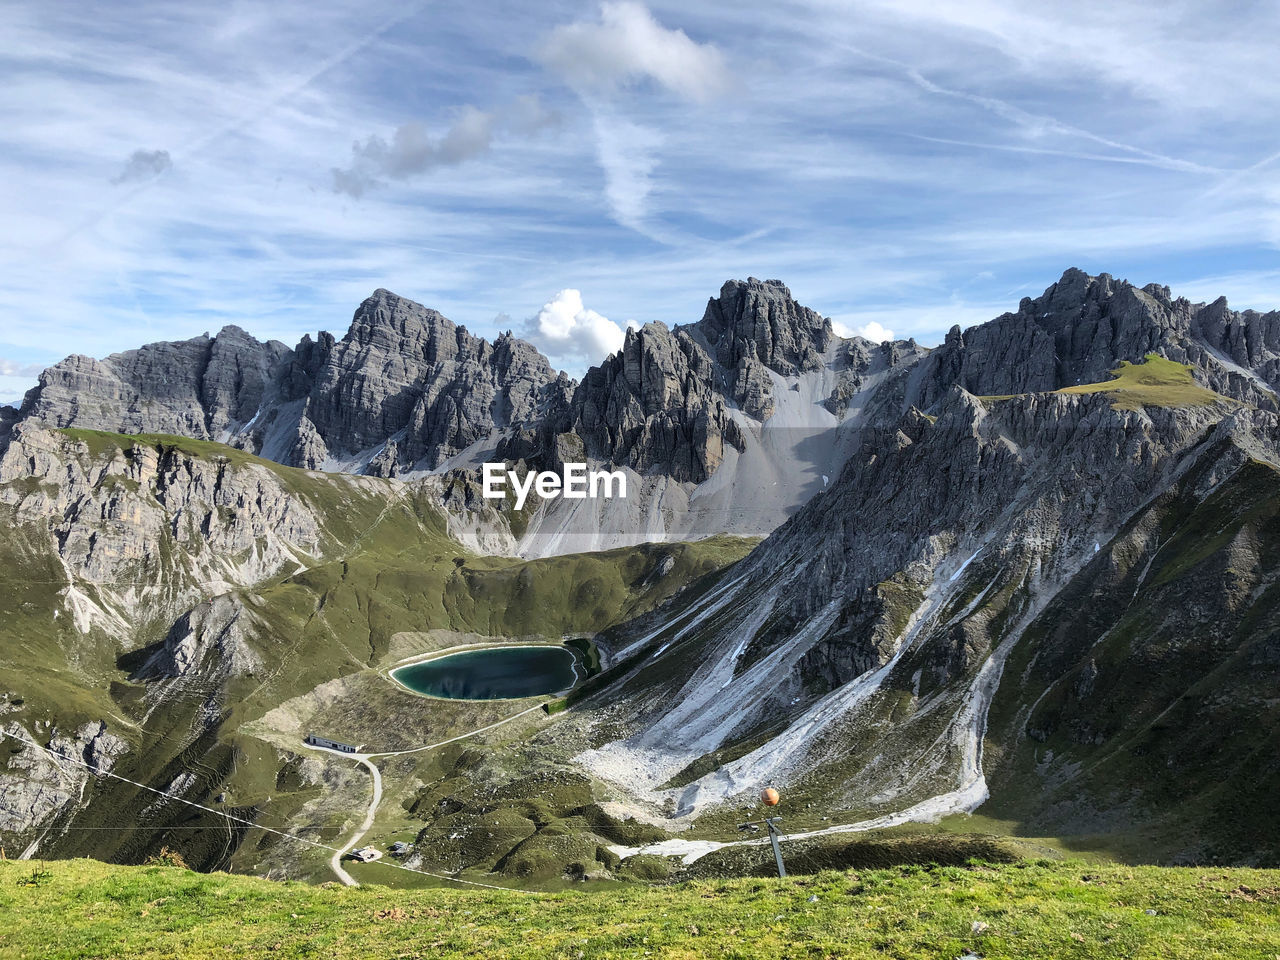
(564, 329)
(875, 332)
(9, 368)
(627, 155)
(625, 48)
(629, 45)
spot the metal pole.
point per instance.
(777, 852)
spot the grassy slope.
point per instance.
(1156, 382)
(86, 909)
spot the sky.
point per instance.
(565, 170)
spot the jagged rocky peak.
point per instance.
(664, 402)
(1247, 338)
(197, 387)
(761, 318)
(401, 325)
(406, 374)
(404, 378)
(1076, 332)
(755, 326)
(654, 404)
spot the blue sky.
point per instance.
(565, 169)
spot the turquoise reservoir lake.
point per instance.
(499, 673)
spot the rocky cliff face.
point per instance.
(655, 406)
(1082, 326)
(673, 401)
(404, 371)
(35, 787)
(756, 326)
(132, 516)
(196, 388)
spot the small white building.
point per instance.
(366, 854)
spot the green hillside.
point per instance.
(85, 909)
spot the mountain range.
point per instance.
(1025, 578)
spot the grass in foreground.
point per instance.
(1156, 382)
(83, 909)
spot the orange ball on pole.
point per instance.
(770, 797)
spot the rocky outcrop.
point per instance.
(129, 515)
(196, 388)
(308, 450)
(407, 372)
(654, 406)
(406, 389)
(8, 417)
(755, 326)
(1083, 326)
(860, 363)
(208, 642)
(664, 403)
(35, 787)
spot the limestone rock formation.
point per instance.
(654, 406)
(209, 641)
(664, 404)
(119, 514)
(755, 325)
(402, 371)
(407, 372)
(35, 787)
(1082, 326)
(196, 388)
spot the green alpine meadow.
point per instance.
(1029, 909)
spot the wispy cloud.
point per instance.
(693, 143)
(627, 46)
(628, 153)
